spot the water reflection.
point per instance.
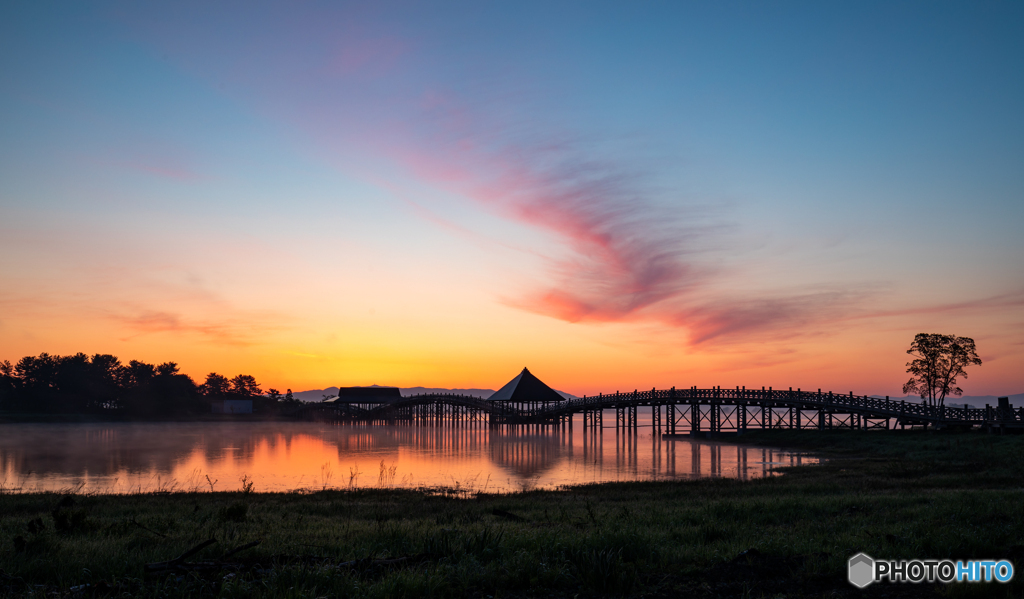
(124, 458)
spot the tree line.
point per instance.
(102, 384)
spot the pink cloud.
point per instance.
(729, 317)
(231, 331)
(1005, 300)
(629, 257)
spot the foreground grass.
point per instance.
(890, 494)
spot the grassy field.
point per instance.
(890, 494)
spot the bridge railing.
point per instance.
(774, 398)
(882, 407)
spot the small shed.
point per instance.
(372, 394)
(232, 406)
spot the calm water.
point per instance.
(125, 458)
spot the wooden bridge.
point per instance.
(690, 412)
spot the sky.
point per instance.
(615, 195)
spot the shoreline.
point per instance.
(98, 419)
(888, 494)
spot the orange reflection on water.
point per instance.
(125, 458)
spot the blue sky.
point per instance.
(325, 193)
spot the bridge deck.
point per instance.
(692, 410)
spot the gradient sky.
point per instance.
(617, 195)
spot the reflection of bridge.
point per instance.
(674, 411)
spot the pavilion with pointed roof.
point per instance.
(526, 388)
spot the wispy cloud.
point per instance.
(782, 316)
(1005, 300)
(96, 294)
(631, 251)
(239, 330)
(625, 252)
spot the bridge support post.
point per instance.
(715, 412)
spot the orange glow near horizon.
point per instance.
(576, 358)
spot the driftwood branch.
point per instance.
(241, 548)
(145, 528)
(507, 515)
(373, 563)
(194, 550)
(172, 564)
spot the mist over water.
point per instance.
(275, 456)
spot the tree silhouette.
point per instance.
(100, 384)
(107, 373)
(173, 392)
(940, 360)
(7, 382)
(245, 385)
(215, 385)
(38, 383)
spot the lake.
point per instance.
(290, 456)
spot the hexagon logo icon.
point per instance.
(860, 570)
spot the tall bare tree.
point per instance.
(939, 361)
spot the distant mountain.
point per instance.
(972, 401)
(976, 401)
(315, 394)
(482, 393)
(318, 394)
